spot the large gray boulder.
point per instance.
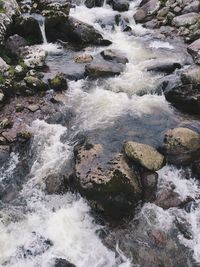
(111, 186)
(182, 145)
(186, 19)
(145, 155)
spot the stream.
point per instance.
(36, 228)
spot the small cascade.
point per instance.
(42, 29)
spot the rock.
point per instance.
(149, 183)
(33, 108)
(112, 187)
(94, 3)
(83, 58)
(24, 136)
(5, 123)
(196, 168)
(145, 155)
(33, 56)
(63, 263)
(182, 145)
(167, 66)
(114, 55)
(120, 5)
(4, 154)
(36, 83)
(3, 66)
(53, 6)
(72, 30)
(10, 8)
(194, 50)
(14, 43)
(97, 70)
(185, 20)
(28, 28)
(54, 183)
(192, 7)
(167, 198)
(140, 16)
(191, 75)
(2, 97)
(58, 83)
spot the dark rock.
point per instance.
(140, 16)
(149, 183)
(120, 5)
(4, 154)
(112, 187)
(114, 55)
(63, 263)
(28, 28)
(36, 83)
(14, 43)
(182, 145)
(54, 184)
(58, 83)
(94, 3)
(97, 70)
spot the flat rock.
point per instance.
(114, 55)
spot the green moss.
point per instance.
(2, 79)
(2, 10)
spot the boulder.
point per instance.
(194, 50)
(191, 75)
(140, 16)
(192, 7)
(14, 43)
(83, 58)
(94, 3)
(54, 183)
(36, 83)
(167, 66)
(58, 83)
(97, 70)
(114, 55)
(145, 155)
(182, 145)
(120, 5)
(33, 56)
(63, 263)
(185, 19)
(149, 181)
(112, 187)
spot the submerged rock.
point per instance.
(112, 187)
(145, 155)
(114, 55)
(97, 70)
(182, 145)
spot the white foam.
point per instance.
(161, 44)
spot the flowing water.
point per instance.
(36, 228)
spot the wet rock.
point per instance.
(28, 28)
(51, 5)
(192, 7)
(150, 6)
(149, 183)
(184, 228)
(144, 155)
(5, 123)
(33, 108)
(196, 168)
(58, 83)
(97, 70)
(140, 16)
(83, 58)
(112, 187)
(167, 198)
(14, 43)
(194, 50)
(114, 55)
(185, 20)
(120, 5)
(4, 153)
(182, 145)
(191, 75)
(36, 83)
(63, 263)
(54, 183)
(94, 3)
(24, 136)
(19, 107)
(167, 66)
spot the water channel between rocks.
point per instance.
(36, 228)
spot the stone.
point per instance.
(185, 19)
(36, 83)
(112, 187)
(120, 5)
(167, 66)
(114, 55)
(83, 58)
(54, 183)
(3, 66)
(14, 43)
(151, 6)
(5, 123)
(191, 75)
(182, 145)
(97, 70)
(63, 263)
(194, 50)
(192, 7)
(33, 56)
(4, 153)
(33, 108)
(94, 3)
(145, 155)
(58, 83)
(140, 16)
(149, 181)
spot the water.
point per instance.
(38, 227)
